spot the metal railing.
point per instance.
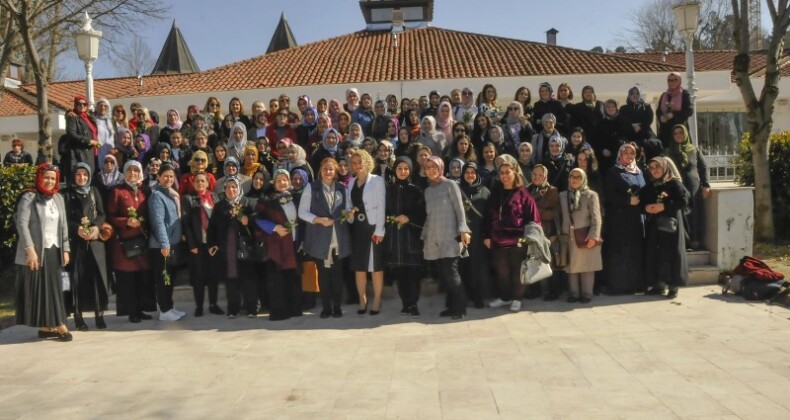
(721, 164)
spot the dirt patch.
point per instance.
(776, 255)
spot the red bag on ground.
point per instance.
(756, 269)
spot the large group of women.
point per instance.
(347, 191)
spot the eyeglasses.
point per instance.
(200, 160)
(672, 80)
(467, 93)
(141, 115)
(120, 111)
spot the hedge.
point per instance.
(13, 181)
(779, 161)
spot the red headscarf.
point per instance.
(83, 113)
(47, 167)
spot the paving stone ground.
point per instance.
(698, 357)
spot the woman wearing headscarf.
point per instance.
(198, 163)
(674, 107)
(558, 163)
(163, 152)
(127, 212)
(109, 176)
(540, 141)
(624, 237)
(352, 100)
(524, 158)
(151, 175)
(430, 137)
(547, 104)
(444, 120)
(367, 194)
(607, 139)
(515, 126)
(329, 148)
(445, 235)
(81, 139)
(694, 173)
(327, 237)
(467, 109)
(297, 159)
(88, 268)
(307, 127)
(237, 141)
(259, 184)
(174, 123)
(317, 136)
(384, 161)
(546, 199)
(378, 126)
(164, 208)
(231, 169)
(364, 113)
(581, 212)
(510, 209)
(105, 132)
(124, 150)
(228, 226)
(587, 113)
(665, 198)
(405, 210)
(475, 270)
(251, 162)
(334, 109)
(197, 207)
(277, 217)
(41, 252)
(636, 117)
(497, 136)
(142, 145)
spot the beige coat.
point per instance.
(583, 260)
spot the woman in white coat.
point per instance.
(367, 193)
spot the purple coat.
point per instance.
(505, 220)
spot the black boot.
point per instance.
(79, 322)
(100, 324)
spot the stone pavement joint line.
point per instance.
(699, 357)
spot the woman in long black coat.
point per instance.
(606, 140)
(674, 107)
(694, 172)
(405, 210)
(637, 117)
(79, 142)
(475, 270)
(665, 197)
(88, 268)
(624, 229)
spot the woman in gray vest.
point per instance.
(327, 237)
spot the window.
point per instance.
(720, 132)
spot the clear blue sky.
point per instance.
(221, 32)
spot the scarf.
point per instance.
(146, 146)
(206, 201)
(639, 102)
(679, 151)
(616, 112)
(561, 141)
(40, 170)
(176, 126)
(250, 168)
(302, 173)
(574, 195)
(541, 189)
(236, 200)
(440, 163)
(126, 167)
(310, 126)
(230, 160)
(445, 123)
(104, 130)
(237, 146)
(673, 97)
(330, 149)
(282, 197)
(84, 114)
(173, 194)
(630, 168)
(111, 178)
(85, 189)
(467, 188)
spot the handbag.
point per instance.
(134, 247)
(580, 236)
(667, 224)
(244, 248)
(259, 251)
(534, 270)
(310, 277)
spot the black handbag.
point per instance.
(134, 247)
(244, 248)
(667, 224)
(178, 255)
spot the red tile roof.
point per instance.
(13, 105)
(421, 54)
(705, 60)
(62, 93)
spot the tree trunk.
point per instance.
(763, 214)
(38, 68)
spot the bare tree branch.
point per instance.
(134, 58)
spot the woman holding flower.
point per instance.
(164, 208)
(277, 217)
(624, 238)
(88, 268)
(662, 201)
(367, 196)
(475, 270)
(127, 212)
(228, 227)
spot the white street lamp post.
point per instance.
(687, 19)
(88, 50)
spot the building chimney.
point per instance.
(551, 36)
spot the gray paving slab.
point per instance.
(698, 357)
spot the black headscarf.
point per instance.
(474, 187)
(406, 160)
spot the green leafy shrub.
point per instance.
(779, 161)
(13, 181)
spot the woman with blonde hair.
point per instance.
(212, 112)
(197, 164)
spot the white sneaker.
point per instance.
(498, 303)
(180, 313)
(515, 306)
(169, 316)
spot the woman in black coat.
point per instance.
(79, 143)
(88, 268)
(636, 118)
(547, 105)
(558, 163)
(674, 107)
(405, 210)
(606, 140)
(196, 209)
(694, 173)
(587, 113)
(475, 269)
(662, 200)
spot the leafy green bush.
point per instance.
(779, 161)
(13, 181)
